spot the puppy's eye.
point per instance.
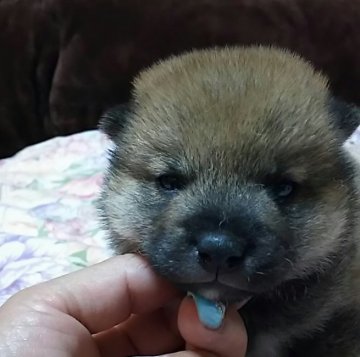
(283, 189)
(171, 182)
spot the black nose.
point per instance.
(219, 252)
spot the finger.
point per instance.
(104, 295)
(147, 334)
(229, 341)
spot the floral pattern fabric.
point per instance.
(48, 218)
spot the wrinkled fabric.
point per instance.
(49, 224)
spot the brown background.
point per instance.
(62, 62)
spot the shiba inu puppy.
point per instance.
(229, 174)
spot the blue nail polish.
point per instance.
(211, 313)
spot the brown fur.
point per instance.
(232, 124)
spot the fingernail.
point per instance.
(211, 313)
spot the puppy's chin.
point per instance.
(218, 292)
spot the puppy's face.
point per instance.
(227, 173)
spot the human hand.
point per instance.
(116, 308)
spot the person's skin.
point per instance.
(115, 308)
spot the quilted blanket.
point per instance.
(48, 218)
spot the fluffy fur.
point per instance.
(229, 175)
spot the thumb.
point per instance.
(229, 341)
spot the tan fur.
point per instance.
(225, 95)
(227, 119)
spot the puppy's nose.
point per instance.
(218, 253)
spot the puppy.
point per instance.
(229, 174)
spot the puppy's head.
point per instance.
(228, 172)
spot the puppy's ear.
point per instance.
(345, 116)
(114, 120)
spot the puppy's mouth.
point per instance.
(216, 291)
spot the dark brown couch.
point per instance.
(62, 62)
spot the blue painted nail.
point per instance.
(211, 313)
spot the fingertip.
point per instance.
(230, 340)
